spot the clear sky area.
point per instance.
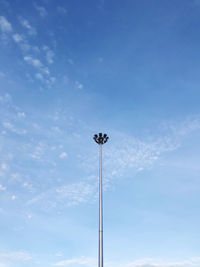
(70, 69)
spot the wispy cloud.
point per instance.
(66, 195)
(63, 155)
(39, 76)
(30, 53)
(14, 257)
(49, 54)
(22, 42)
(78, 85)
(5, 25)
(43, 74)
(18, 38)
(89, 262)
(41, 10)
(76, 193)
(194, 262)
(5, 99)
(44, 144)
(184, 127)
(25, 23)
(2, 188)
(35, 62)
(131, 155)
(9, 126)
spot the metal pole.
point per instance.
(100, 140)
(100, 209)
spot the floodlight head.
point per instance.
(100, 139)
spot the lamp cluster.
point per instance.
(100, 139)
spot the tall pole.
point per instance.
(100, 209)
(100, 139)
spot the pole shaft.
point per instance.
(100, 209)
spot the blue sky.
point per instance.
(70, 69)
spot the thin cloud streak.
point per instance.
(132, 155)
(5, 25)
(89, 262)
(41, 10)
(25, 23)
(14, 257)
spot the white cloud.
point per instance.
(58, 254)
(63, 155)
(57, 130)
(38, 151)
(131, 154)
(14, 257)
(52, 79)
(49, 54)
(17, 38)
(2, 188)
(33, 61)
(76, 193)
(134, 153)
(78, 85)
(194, 262)
(9, 126)
(24, 44)
(40, 67)
(184, 127)
(21, 114)
(41, 10)
(5, 99)
(90, 262)
(5, 25)
(4, 166)
(25, 23)
(29, 216)
(15, 177)
(39, 76)
(66, 195)
(46, 70)
(28, 186)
